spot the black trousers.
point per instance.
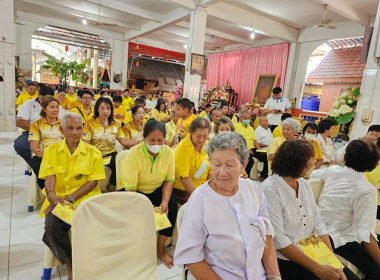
(292, 271)
(35, 164)
(22, 147)
(272, 127)
(56, 237)
(358, 256)
(112, 166)
(378, 212)
(262, 157)
(156, 199)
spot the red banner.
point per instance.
(156, 52)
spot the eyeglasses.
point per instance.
(261, 235)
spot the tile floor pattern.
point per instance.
(21, 248)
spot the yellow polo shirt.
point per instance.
(80, 110)
(65, 103)
(145, 174)
(318, 151)
(23, 97)
(121, 110)
(71, 98)
(104, 138)
(247, 132)
(159, 115)
(131, 131)
(374, 178)
(277, 132)
(183, 127)
(44, 132)
(72, 171)
(128, 103)
(128, 117)
(187, 162)
(170, 130)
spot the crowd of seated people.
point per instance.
(203, 160)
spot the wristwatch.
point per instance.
(71, 198)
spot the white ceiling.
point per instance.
(167, 21)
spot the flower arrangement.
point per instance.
(343, 110)
(178, 91)
(218, 94)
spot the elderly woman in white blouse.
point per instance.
(225, 231)
(348, 205)
(325, 131)
(294, 213)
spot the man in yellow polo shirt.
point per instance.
(128, 101)
(72, 169)
(25, 96)
(85, 110)
(244, 128)
(277, 132)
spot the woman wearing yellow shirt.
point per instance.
(192, 167)
(44, 132)
(148, 168)
(102, 131)
(309, 132)
(63, 101)
(72, 99)
(118, 109)
(160, 112)
(133, 130)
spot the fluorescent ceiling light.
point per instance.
(252, 36)
(247, 28)
(84, 21)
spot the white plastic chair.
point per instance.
(317, 188)
(178, 226)
(113, 237)
(119, 162)
(35, 195)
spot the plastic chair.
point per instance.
(35, 195)
(317, 187)
(178, 225)
(113, 237)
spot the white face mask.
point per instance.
(309, 136)
(153, 148)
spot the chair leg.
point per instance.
(30, 208)
(46, 274)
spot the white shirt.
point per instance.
(348, 204)
(220, 230)
(150, 104)
(278, 104)
(327, 148)
(263, 135)
(31, 110)
(293, 218)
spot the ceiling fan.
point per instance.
(213, 48)
(98, 22)
(325, 22)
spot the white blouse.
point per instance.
(225, 232)
(348, 204)
(293, 218)
(327, 148)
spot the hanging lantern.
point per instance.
(66, 48)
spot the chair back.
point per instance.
(180, 216)
(317, 187)
(119, 161)
(114, 237)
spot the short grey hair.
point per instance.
(67, 116)
(296, 126)
(228, 140)
(242, 113)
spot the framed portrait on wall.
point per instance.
(197, 64)
(263, 87)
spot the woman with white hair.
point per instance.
(290, 127)
(225, 231)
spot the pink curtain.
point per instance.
(241, 68)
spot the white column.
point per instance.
(196, 45)
(297, 66)
(119, 63)
(95, 70)
(370, 87)
(89, 67)
(80, 57)
(7, 67)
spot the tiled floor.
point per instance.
(21, 248)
